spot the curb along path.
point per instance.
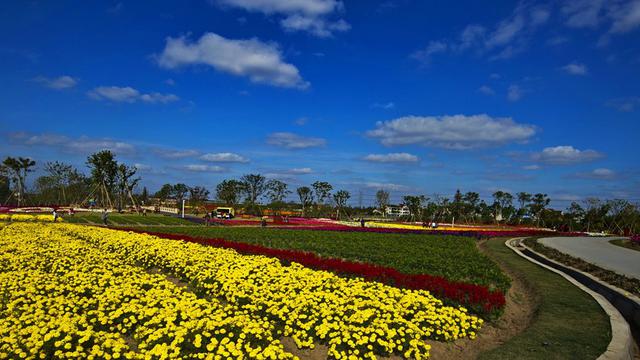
(622, 344)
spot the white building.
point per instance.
(397, 211)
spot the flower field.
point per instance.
(72, 291)
(28, 217)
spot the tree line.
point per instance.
(114, 184)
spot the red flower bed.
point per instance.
(635, 239)
(478, 298)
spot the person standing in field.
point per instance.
(105, 215)
(55, 215)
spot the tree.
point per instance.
(382, 200)
(574, 215)
(5, 191)
(524, 199)
(60, 176)
(144, 197)
(503, 205)
(306, 197)
(322, 191)
(341, 197)
(471, 205)
(539, 203)
(254, 186)
(104, 172)
(164, 193)
(179, 192)
(276, 191)
(457, 207)
(17, 170)
(125, 184)
(414, 203)
(229, 191)
(197, 196)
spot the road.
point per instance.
(598, 251)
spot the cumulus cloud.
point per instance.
(312, 16)
(83, 144)
(58, 83)
(128, 94)
(224, 157)
(204, 168)
(575, 68)
(386, 186)
(627, 104)
(259, 61)
(392, 158)
(501, 41)
(292, 141)
(532, 167)
(451, 132)
(565, 154)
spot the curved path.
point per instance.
(599, 251)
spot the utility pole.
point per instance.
(183, 200)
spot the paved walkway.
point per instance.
(599, 251)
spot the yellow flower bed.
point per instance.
(28, 217)
(98, 275)
(376, 224)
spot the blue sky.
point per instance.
(411, 96)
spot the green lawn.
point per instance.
(455, 258)
(569, 323)
(126, 219)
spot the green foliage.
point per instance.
(455, 258)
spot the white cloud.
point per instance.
(83, 144)
(259, 61)
(204, 168)
(129, 95)
(565, 154)
(293, 141)
(627, 104)
(451, 132)
(386, 106)
(598, 174)
(583, 13)
(625, 16)
(142, 167)
(298, 15)
(316, 26)
(385, 186)
(514, 93)
(575, 68)
(507, 38)
(300, 171)
(224, 157)
(495, 76)
(486, 90)
(392, 158)
(59, 83)
(434, 47)
(621, 16)
(301, 121)
(175, 154)
(532, 167)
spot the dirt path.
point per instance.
(522, 302)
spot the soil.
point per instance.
(522, 303)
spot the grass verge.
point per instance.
(568, 323)
(625, 243)
(611, 277)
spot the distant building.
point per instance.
(397, 211)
